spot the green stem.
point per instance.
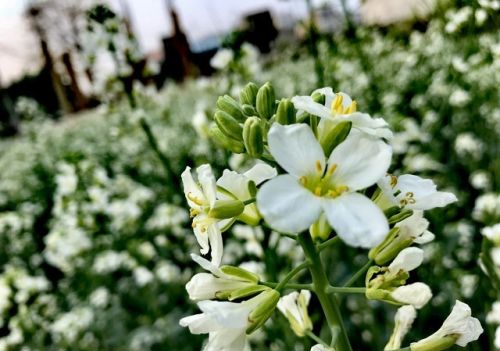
(358, 274)
(344, 290)
(316, 338)
(249, 201)
(320, 282)
(327, 243)
(288, 286)
(291, 274)
(154, 145)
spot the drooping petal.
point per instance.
(207, 265)
(201, 236)
(191, 189)
(286, 205)
(216, 244)
(235, 183)
(424, 192)
(356, 219)
(377, 127)
(296, 149)
(227, 314)
(407, 260)
(227, 339)
(260, 173)
(207, 181)
(198, 323)
(307, 104)
(360, 160)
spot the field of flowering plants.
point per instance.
(98, 243)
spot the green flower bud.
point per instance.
(253, 137)
(335, 136)
(266, 101)
(321, 228)
(248, 95)
(228, 125)
(240, 274)
(388, 249)
(225, 142)
(230, 106)
(443, 343)
(226, 209)
(249, 110)
(246, 292)
(264, 310)
(286, 112)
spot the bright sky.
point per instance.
(200, 18)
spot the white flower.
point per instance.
(413, 192)
(222, 59)
(239, 187)
(205, 286)
(459, 325)
(493, 316)
(320, 347)
(227, 322)
(407, 260)
(338, 108)
(294, 308)
(497, 338)
(416, 294)
(292, 202)
(201, 197)
(403, 321)
(415, 227)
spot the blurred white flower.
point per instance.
(222, 59)
(142, 276)
(294, 308)
(403, 321)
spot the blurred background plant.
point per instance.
(94, 236)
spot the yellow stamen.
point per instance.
(319, 168)
(317, 191)
(194, 199)
(332, 169)
(353, 107)
(394, 180)
(303, 180)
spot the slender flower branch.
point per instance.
(154, 145)
(358, 274)
(344, 290)
(249, 201)
(288, 286)
(316, 338)
(320, 282)
(329, 242)
(291, 274)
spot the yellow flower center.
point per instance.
(338, 108)
(321, 184)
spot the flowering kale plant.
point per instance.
(321, 174)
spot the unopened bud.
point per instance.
(268, 301)
(392, 245)
(228, 125)
(240, 274)
(335, 136)
(248, 94)
(286, 112)
(440, 344)
(321, 228)
(249, 110)
(253, 137)
(226, 209)
(265, 102)
(246, 292)
(230, 106)
(225, 142)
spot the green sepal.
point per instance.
(248, 94)
(335, 136)
(225, 142)
(224, 209)
(253, 137)
(440, 344)
(249, 110)
(285, 114)
(319, 98)
(228, 125)
(246, 292)
(400, 216)
(240, 274)
(266, 101)
(391, 211)
(230, 106)
(263, 311)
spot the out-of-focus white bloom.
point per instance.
(321, 347)
(167, 216)
(421, 163)
(167, 272)
(480, 180)
(416, 294)
(339, 108)
(497, 338)
(292, 202)
(69, 325)
(407, 260)
(487, 208)
(481, 16)
(459, 98)
(467, 144)
(412, 192)
(490, 4)
(201, 124)
(66, 179)
(459, 326)
(100, 297)
(227, 322)
(468, 285)
(495, 256)
(403, 321)
(492, 233)
(142, 276)
(456, 18)
(222, 59)
(5, 294)
(147, 250)
(206, 286)
(294, 308)
(110, 261)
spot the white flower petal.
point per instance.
(286, 205)
(202, 238)
(207, 181)
(191, 189)
(372, 126)
(424, 192)
(416, 294)
(296, 149)
(216, 244)
(207, 265)
(360, 160)
(356, 219)
(227, 314)
(260, 173)
(198, 323)
(307, 104)
(407, 260)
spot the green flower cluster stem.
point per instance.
(320, 283)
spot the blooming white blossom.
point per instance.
(459, 325)
(412, 192)
(339, 108)
(294, 308)
(415, 227)
(292, 202)
(403, 321)
(407, 260)
(416, 294)
(227, 322)
(222, 59)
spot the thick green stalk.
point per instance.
(320, 283)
